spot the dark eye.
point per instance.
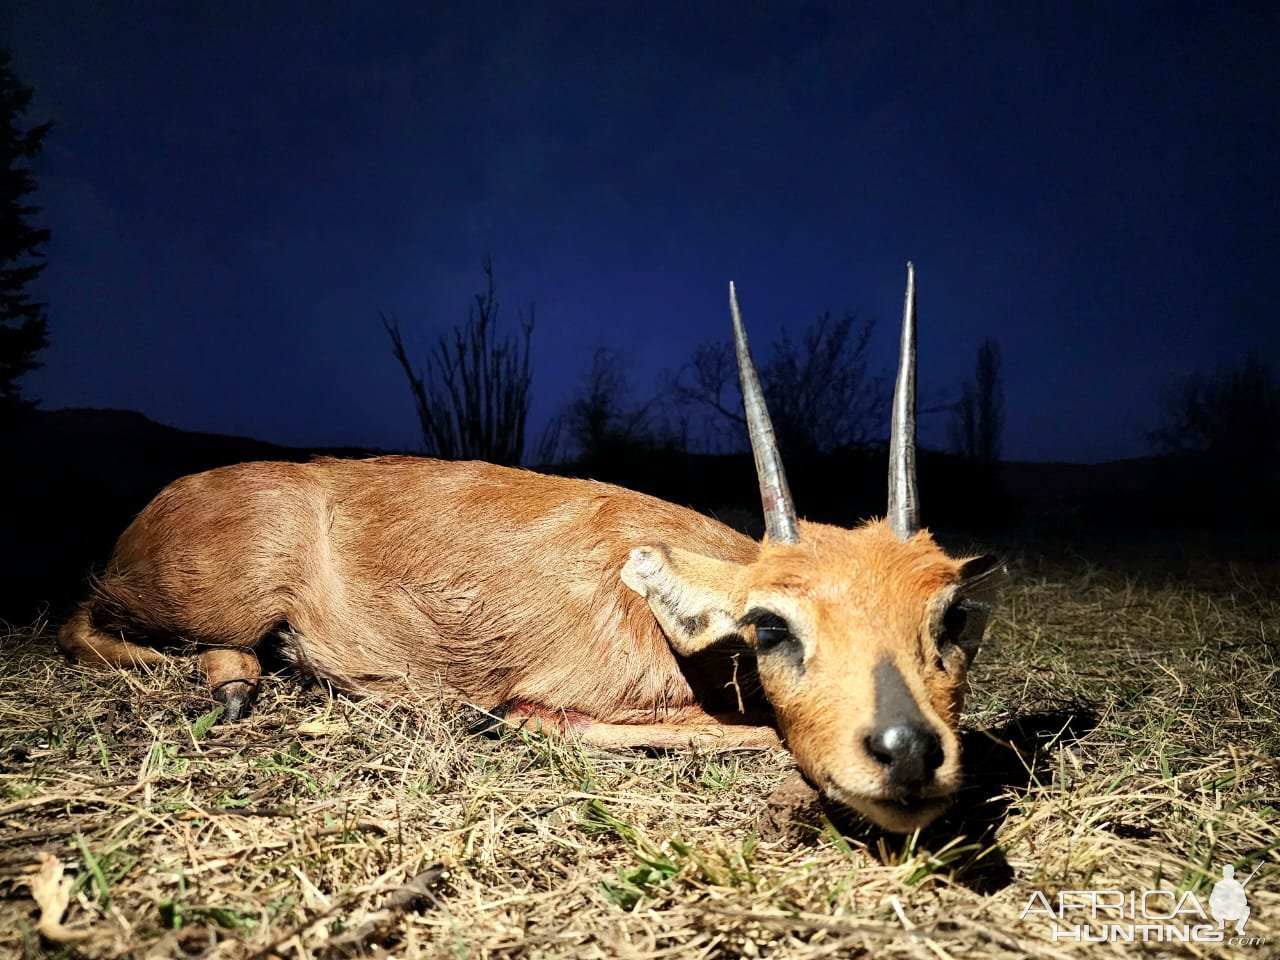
(771, 629)
(962, 627)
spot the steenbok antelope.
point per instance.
(574, 604)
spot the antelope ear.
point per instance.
(695, 599)
(975, 596)
(982, 577)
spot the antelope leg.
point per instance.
(233, 676)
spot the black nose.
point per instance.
(909, 753)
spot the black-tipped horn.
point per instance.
(904, 499)
(779, 512)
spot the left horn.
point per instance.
(779, 512)
(904, 499)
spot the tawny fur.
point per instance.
(625, 616)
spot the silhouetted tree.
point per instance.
(707, 387)
(1231, 417)
(602, 417)
(977, 422)
(1222, 433)
(23, 321)
(818, 390)
(604, 421)
(473, 398)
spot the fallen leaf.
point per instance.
(52, 892)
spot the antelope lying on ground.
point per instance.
(574, 603)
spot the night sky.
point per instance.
(235, 196)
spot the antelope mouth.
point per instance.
(919, 811)
(898, 814)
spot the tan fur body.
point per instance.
(402, 576)
(561, 602)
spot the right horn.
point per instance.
(779, 512)
(904, 500)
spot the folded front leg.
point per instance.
(233, 676)
(678, 736)
(702, 730)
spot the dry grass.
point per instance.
(1124, 735)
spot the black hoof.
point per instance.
(236, 699)
(485, 723)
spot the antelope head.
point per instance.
(863, 636)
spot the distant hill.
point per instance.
(72, 480)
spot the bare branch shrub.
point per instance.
(602, 418)
(818, 389)
(473, 398)
(1223, 430)
(1232, 416)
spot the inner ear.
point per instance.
(695, 599)
(970, 603)
(982, 574)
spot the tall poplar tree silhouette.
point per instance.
(23, 323)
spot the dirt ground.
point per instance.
(1122, 735)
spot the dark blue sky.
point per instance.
(235, 197)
